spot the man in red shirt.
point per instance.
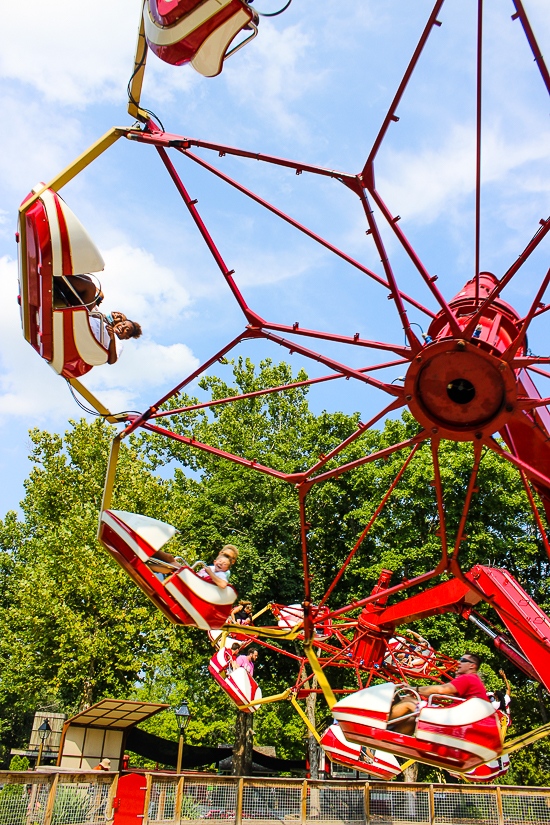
(465, 685)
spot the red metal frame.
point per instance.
(476, 330)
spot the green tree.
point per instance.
(74, 628)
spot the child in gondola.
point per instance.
(219, 571)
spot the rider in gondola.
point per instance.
(465, 685)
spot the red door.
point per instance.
(130, 800)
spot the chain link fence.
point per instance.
(89, 799)
(55, 799)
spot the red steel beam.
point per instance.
(478, 444)
(519, 339)
(414, 343)
(517, 462)
(507, 277)
(181, 142)
(404, 352)
(386, 593)
(539, 372)
(292, 346)
(387, 451)
(428, 280)
(244, 462)
(370, 523)
(303, 229)
(251, 317)
(478, 144)
(304, 527)
(138, 421)
(440, 506)
(362, 429)
(368, 172)
(282, 388)
(539, 59)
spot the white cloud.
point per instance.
(423, 184)
(136, 284)
(71, 53)
(275, 56)
(260, 268)
(35, 147)
(144, 366)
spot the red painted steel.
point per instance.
(458, 734)
(129, 802)
(182, 596)
(168, 16)
(465, 381)
(377, 764)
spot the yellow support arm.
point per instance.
(320, 674)
(268, 632)
(278, 697)
(304, 718)
(81, 162)
(136, 81)
(110, 477)
(91, 399)
(526, 739)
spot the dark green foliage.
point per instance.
(75, 629)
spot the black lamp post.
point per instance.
(43, 731)
(183, 716)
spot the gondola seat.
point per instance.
(461, 735)
(53, 245)
(383, 766)
(182, 596)
(237, 682)
(196, 31)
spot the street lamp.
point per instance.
(183, 716)
(43, 731)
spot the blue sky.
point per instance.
(314, 86)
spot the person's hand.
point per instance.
(501, 672)
(110, 330)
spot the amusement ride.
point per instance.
(469, 378)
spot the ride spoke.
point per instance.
(478, 445)
(440, 505)
(303, 229)
(372, 457)
(517, 462)
(363, 428)
(370, 523)
(519, 339)
(282, 388)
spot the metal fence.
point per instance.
(55, 799)
(89, 799)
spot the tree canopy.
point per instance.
(75, 629)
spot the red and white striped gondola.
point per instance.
(410, 656)
(54, 244)
(182, 596)
(378, 763)
(289, 617)
(237, 682)
(488, 771)
(461, 734)
(197, 31)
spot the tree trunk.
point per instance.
(312, 747)
(410, 774)
(542, 706)
(242, 749)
